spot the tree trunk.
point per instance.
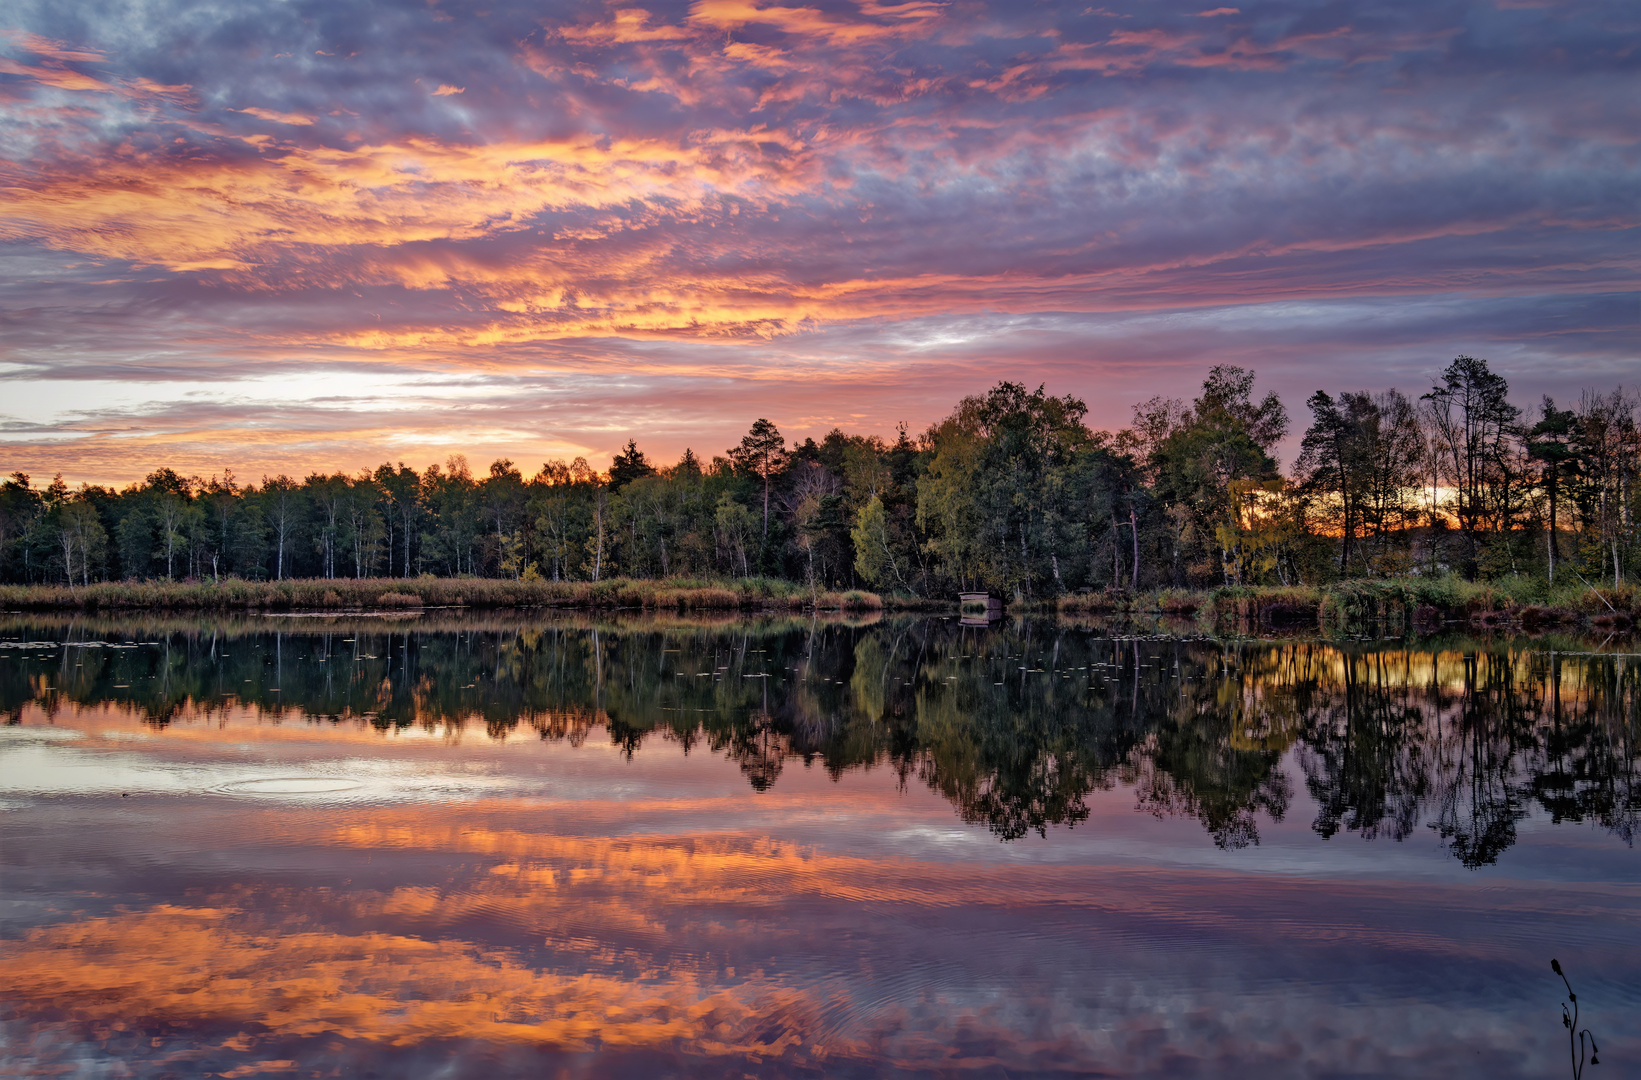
(1551, 546)
(598, 555)
(1134, 529)
(1116, 553)
(1344, 507)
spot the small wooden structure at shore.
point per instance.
(978, 608)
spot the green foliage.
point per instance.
(629, 465)
(1194, 457)
(875, 557)
(998, 499)
(1360, 462)
(1011, 492)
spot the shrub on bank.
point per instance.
(1287, 605)
(1109, 601)
(1178, 602)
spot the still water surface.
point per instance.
(473, 848)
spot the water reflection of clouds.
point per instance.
(53, 762)
(685, 946)
(509, 893)
(476, 926)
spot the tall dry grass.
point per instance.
(1394, 606)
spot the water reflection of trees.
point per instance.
(1017, 726)
(1469, 742)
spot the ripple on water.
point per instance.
(291, 785)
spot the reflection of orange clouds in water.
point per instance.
(196, 965)
(225, 964)
(720, 867)
(642, 929)
(544, 881)
(663, 908)
(218, 965)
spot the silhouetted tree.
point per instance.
(761, 453)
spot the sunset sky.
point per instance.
(282, 237)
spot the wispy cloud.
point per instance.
(277, 117)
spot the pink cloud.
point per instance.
(297, 119)
(54, 75)
(55, 50)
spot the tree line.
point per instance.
(1011, 492)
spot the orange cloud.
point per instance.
(812, 23)
(627, 26)
(54, 71)
(203, 965)
(188, 215)
(277, 117)
(56, 50)
(60, 77)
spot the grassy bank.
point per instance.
(152, 625)
(375, 594)
(1421, 605)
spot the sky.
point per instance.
(322, 234)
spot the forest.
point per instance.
(1012, 492)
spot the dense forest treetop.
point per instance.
(1011, 492)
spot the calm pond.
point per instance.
(480, 846)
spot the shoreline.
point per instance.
(340, 595)
(1394, 607)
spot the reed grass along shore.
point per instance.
(1393, 607)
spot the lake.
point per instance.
(473, 846)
